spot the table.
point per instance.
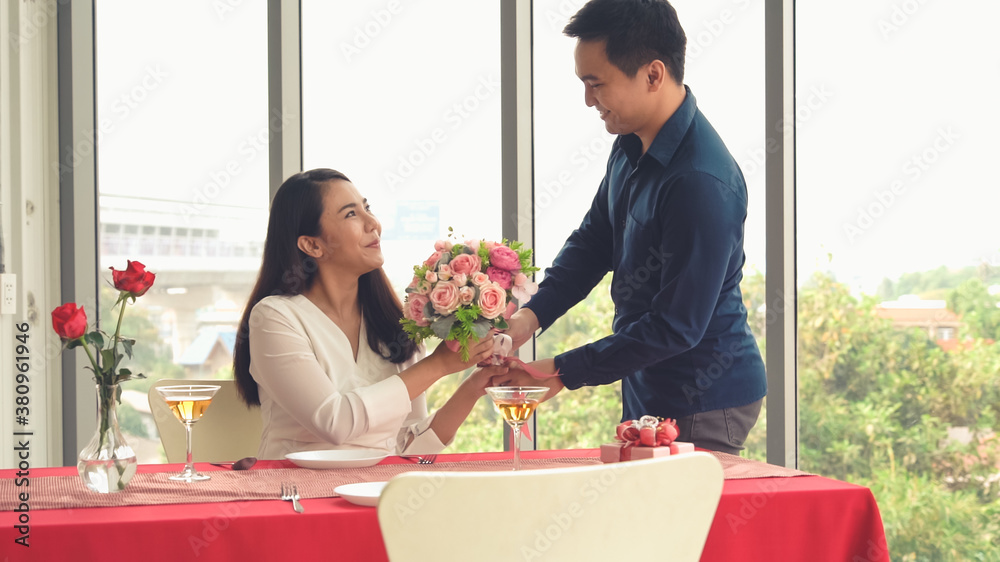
(799, 518)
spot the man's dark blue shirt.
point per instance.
(669, 223)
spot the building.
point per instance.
(932, 316)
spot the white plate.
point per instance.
(337, 458)
(365, 493)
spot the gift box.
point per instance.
(645, 438)
(617, 452)
(678, 447)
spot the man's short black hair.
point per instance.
(636, 31)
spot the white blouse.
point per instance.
(314, 395)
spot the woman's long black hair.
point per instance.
(287, 270)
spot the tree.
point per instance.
(151, 356)
(876, 405)
(579, 419)
(931, 284)
(978, 309)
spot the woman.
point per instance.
(320, 347)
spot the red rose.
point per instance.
(134, 280)
(69, 321)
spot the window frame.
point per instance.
(73, 408)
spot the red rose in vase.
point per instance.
(105, 351)
(135, 280)
(69, 321)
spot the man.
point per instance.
(668, 221)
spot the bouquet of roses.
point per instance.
(467, 289)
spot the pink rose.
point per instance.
(505, 258)
(474, 244)
(492, 300)
(444, 297)
(460, 279)
(443, 245)
(466, 295)
(466, 263)
(479, 279)
(431, 277)
(520, 279)
(490, 245)
(444, 272)
(415, 309)
(499, 276)
(432, 261)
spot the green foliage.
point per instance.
(876, 405)
(755, 301)
(585, 417)
(130, 421)
(581, 418)
(482, 430)
(978, 308)
(150, 355)
(927, 284)
(925, 521)
(415, 332)
(523, 254)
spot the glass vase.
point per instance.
(107, 463)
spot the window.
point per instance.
(405, 101)
(895, 144)
(725, 71)
(174, 156)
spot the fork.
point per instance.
(429, 459)
(290, 492)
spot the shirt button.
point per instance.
(623, 223)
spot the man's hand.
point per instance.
(519, 377)
(522, 324)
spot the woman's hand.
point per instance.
(451, 361)
(484, 377)
(457, 408)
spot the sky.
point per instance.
(896, 122)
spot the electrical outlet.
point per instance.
(8, 293)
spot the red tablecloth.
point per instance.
(802, 518)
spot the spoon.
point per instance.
(241, 464)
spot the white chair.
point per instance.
(656, 509)
(228, 431)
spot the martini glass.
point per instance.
(188, 402)
(516, 404)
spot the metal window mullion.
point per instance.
(284, 90)
(517, 167)
(782, 394)
(78, 212)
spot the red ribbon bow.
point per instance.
(648, 431)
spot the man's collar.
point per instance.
(668, 138)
